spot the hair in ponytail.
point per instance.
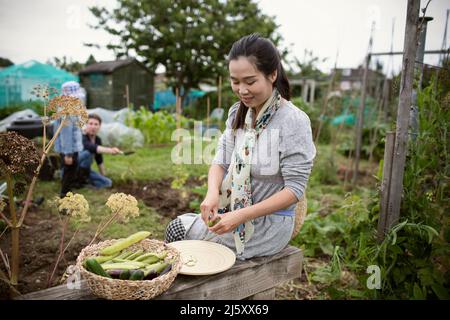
(265, 56)
(282, 83)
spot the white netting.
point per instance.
(119, 135)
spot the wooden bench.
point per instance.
(251, 279)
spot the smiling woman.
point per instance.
(255, 70)
(251, 86)
(262, 164)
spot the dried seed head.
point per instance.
(43, 91)
(18, 155)
(65, 106)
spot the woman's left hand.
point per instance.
(228, 222)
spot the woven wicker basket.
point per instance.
(300, 215)
(116, 289)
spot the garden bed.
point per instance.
(160, 196)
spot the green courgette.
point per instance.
(137, 275)
(93, 266)
(125, 275)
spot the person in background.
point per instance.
(69, 142)
(93, 149)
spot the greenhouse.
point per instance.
(17, 81)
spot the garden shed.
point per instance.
(109, 84)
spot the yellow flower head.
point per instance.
(125, 206)
(74, 205)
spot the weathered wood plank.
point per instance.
(244, 279)
(385, 185)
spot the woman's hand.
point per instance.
(209, 206)
(228, 222)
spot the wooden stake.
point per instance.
(385, 184)
(360, 120)
(374, 133)
(401, 133)
(385, 100)
(334, 136)
(324, 106)
(347, 169)
(208, 106)
(305, 91)
(312, 92)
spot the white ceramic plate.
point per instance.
(203, 257)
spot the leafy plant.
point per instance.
(181, 175)
(156, 127)
(201, 192)
(325, 169)
(414, 256)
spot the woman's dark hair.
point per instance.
(266, 58)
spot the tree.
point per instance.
(90, 60)
(5, 62)
(190, 38)
(307, 67)
(66, 64)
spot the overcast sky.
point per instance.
(43, 29)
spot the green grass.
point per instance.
(147, 164)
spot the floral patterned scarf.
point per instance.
(236, 191)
